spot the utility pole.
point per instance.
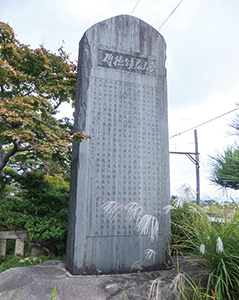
(196, 162)
(197, 168)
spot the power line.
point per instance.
(135, 7)
(170, 15)
(205, 122)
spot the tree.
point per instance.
(33, 84)
(38, 205)
(225, 169)
(225, 166)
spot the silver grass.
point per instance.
(168, 208)
(179, 202)
(154, 293)
(134, 210)
(112, 208)
(178, 283)
(150, 253)
(136, 266)
(202, 249)
(148, 225)
(219, 246)
(192, 209)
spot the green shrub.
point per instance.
(178, 216)
(40, 208)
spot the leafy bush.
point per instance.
(179, 213)
(40, 207)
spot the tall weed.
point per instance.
(216, 244)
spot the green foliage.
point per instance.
(53, 294)
(225, 169)
(57, 180)
(33, 84)
(80, 136)
(12, 261)
(178, 217)
(40, 207)
(225, 165)
(5, 188)
(216, 245)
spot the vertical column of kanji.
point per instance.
(94, 157)
(144, 146)
(158, 141)
(153, 152)
(120, 140)
(104, 156)
(136, 145)
(110, 156)
(140, 135)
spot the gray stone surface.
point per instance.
(37, 283)
(122, 103)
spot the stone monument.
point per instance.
(122, 103)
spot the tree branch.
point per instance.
(10, 153)
(29, 92)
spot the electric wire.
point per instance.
(170, 15)
(205, 122)
(135, 7)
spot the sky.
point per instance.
(202, 65)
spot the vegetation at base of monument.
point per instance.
(213, 245)
(179, 212)
(37, 203)
(12, 261)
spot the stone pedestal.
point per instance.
(19, 236)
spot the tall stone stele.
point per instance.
(122, 103)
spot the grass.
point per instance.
(53, 294)
(213, 244)
(216, 245)
(12, 261)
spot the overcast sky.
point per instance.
(202, 63)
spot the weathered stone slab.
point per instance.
(122, 103)
(37, 282)
(3, 248)
(19, 247)
(13, 235)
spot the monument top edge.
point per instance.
(125, 17)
